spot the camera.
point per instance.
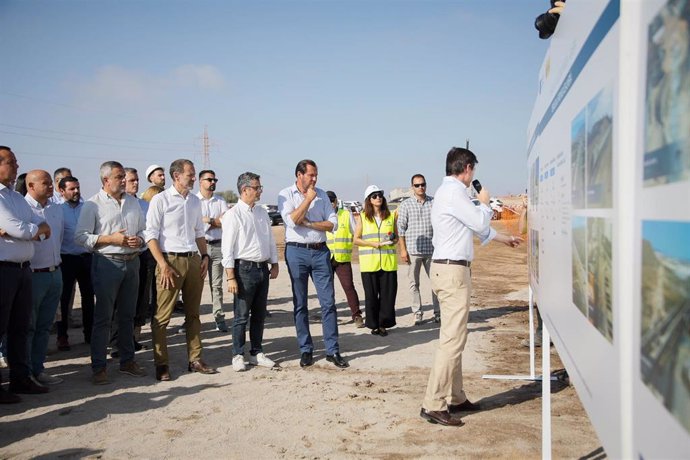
(546, 23)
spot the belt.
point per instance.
(249, 263)
(45, 270)
(307, 245)
(14, 264)
(213, 242)
(181, 254)
(122, 257)
(466, 263)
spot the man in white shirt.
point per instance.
(308, 215)
(212, 209)
(175, 236)
(455, 220)
(46, 277)
(19, 227)
(248, 248)
(112, 226)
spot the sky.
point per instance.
(373, 91)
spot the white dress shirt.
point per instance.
(247, 235)
(47, 252)
(455, 219)
(103, 215)
(320, 210)
(175, 221)
(213, 207)
(20, 224)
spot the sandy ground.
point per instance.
(368, 410)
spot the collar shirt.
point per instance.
(414, 223)
(57, 198)
(320, 210)
(70, 218)
(47, 252)
(213, 207)
(20, 224)
(456, 219)
(247, 235)
(175, 221)
(103, 215)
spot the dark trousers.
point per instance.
(380, 291)
(147, 288)
(76, 269)
(344, 272)
(252, 284)
(15, 315)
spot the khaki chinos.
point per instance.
(191, 284)
(453, 285)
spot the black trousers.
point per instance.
(146, 299)
(76, 269)
(380, 291)
(15, 315)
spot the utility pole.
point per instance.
(467, 143)
(206, 160)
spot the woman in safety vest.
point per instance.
(378, 262)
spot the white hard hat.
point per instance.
(371, 189)
(151, 169)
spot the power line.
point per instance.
(91, 136)
(94, 143)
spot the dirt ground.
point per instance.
(368, 410)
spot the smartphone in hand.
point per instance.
(477, 185)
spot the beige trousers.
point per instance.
(191, 284)
(453, 285)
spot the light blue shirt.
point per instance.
(320, 210)
(20, 224)
(70, 217)
(455, 220)
(47, 252)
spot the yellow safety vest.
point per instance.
(340, 242)
(383, 258)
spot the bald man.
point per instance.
(46, 276)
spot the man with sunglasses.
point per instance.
(416, 248)
(212, 209)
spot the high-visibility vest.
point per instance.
(383, 258)
(340, 242)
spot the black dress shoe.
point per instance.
(162, 373)
(338, 360)
(138, 346)
(383, 332)
(8, 398)
(467, 406)
(375, 331)
(306, 360)
(27, 386)
(442, 417)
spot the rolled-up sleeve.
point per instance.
(153, 218)
(230, 229)
(85, 235)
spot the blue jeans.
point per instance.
(46, 289)
(252, 285)
(116, 285)
(303, 263)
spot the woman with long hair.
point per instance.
(378, 261)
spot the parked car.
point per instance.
(276, 218)
(496, 207)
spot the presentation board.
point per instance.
(609, 214)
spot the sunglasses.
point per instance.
(210, 179)
(423, 184)
(376, 195)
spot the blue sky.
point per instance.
(668, 237)
(373, 91)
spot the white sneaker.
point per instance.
(47, 379)
(238, 364)
(3, 362)
(261, 360)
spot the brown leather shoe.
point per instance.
(201, 367)
(442, 416)
(162, 373)
(467, 406)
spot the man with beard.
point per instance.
(212, 209)
(76, 265)
(175, 236)
(156, 175)
(112, 226)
